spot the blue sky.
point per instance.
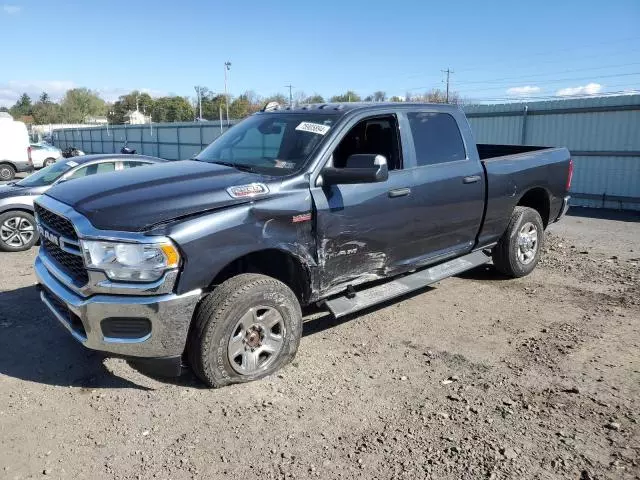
(497, 49)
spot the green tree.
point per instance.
(172, 109)
(315, 98)
(22, 107)
(45, 111)
(80, 103)
(278, 97)
(348, 96)
(128, 103)
(395, 98)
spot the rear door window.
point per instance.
(436, 138)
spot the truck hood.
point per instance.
(134, 199)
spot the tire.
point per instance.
(517, 253)
(7, 172)
(18, 231)
(48, 161)
(234, 337)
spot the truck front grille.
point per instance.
(71, 264)
(56, 223)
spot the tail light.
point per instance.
(29, 155)
(570, 174)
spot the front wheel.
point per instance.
(518, 250)
(247, 328)
(17, 231)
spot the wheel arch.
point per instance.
(539, 199)
(278, 263)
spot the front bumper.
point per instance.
(564, 207)
(169, 316)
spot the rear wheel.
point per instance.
(518, 250)
(246, 329)
(7, 172)
(17, 231)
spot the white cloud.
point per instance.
(10, 91)
(588, 89)
(522, 91)
(11, 9)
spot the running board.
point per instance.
(359, 300)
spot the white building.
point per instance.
(136, 117)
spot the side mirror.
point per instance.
(360, 168)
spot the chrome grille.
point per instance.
(56, 223)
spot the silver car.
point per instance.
(17, 224)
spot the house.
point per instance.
(136, 117)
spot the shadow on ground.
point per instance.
(35, 348)
(605, 214)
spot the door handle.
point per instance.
(472, 179)
(399, 192)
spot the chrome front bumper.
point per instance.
(168, 314)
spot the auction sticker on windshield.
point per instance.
(72, 164)
(313, 128)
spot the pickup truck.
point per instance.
(208, 262)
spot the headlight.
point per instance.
(133, 262)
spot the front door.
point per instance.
(360, 227)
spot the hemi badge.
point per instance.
(303, 217)
(247, 191)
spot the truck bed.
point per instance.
(513, 170)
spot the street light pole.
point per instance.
(227, 67)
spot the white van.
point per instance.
(15, 150)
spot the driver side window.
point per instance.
(377, 135)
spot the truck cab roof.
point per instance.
(346, 107)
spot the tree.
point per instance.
(278, 97)
(45, 111)
(129, 103)
(22, 107)
(435, 95)
(80, 103)
(315, 98)
(396, 98)
(171, 109)
(348, 96)
(379, 96)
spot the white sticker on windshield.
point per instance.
(72, 164)
(313, 128)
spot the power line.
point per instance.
(546, 74)
(555, 80)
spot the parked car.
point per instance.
(15, 152)
(17, 226)
(209, 261)
(44, 154)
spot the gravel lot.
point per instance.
(479, 377)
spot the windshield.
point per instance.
(274, 144)
(48, 175)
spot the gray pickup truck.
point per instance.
(208, 262)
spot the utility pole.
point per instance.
(448, 71)
(290, 95)
(199, 92)
(227, 67)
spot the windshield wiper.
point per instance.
(239, 166)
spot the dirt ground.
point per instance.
(478, 377)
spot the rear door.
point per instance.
(449, 193)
